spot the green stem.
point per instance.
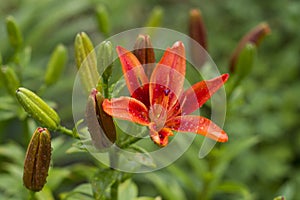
(128, 142)
(114, 191)
(31, 195)
(26, 131)
(68, 132)
(113, 158)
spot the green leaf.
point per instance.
(102, 182)
(6, 115)
(14, 152)
(143, 157)
(56, 177)
(127, 190)
(83, 191)
(235, 188)
(15, 170)
(168, 187)
(12, 187)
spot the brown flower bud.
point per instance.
(144, 52)
(37, 160)
(197, 32)
(254, 36)
(98, 120)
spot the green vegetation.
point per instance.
(261, 159)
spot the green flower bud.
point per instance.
(37, 160)
(56, 64)
(245, 61)
(14, 33)
(243, 67)
(86, 61)
(97, 119)
(254, 36)
(105, 62)
(10, 79)
(103, 20)
(155, 19)
(38, 109)
(144, 52)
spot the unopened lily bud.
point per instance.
(14, 33)
(254, 36)
(37, 160)
(103, 20)
(86, 61)
(144, 52)
(98, 120)
(38, 109)
(155, 18)
(197, 31)
(10, 79)
(105, 60)
(56, 64)
(243, 67)
(197, 28)
(245, 61)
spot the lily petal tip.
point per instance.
(221, 136)
(178, 45)
(121, 50)
(225, 77)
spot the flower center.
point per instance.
(158, 115)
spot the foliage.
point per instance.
(261, 160)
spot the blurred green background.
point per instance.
(261, 159)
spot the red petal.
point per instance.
(127, 108)
(142, 94)
(133, 70)
(160, 137)
(168, 77)
(199, 125)
(198, 94)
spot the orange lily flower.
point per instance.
(161, 103)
